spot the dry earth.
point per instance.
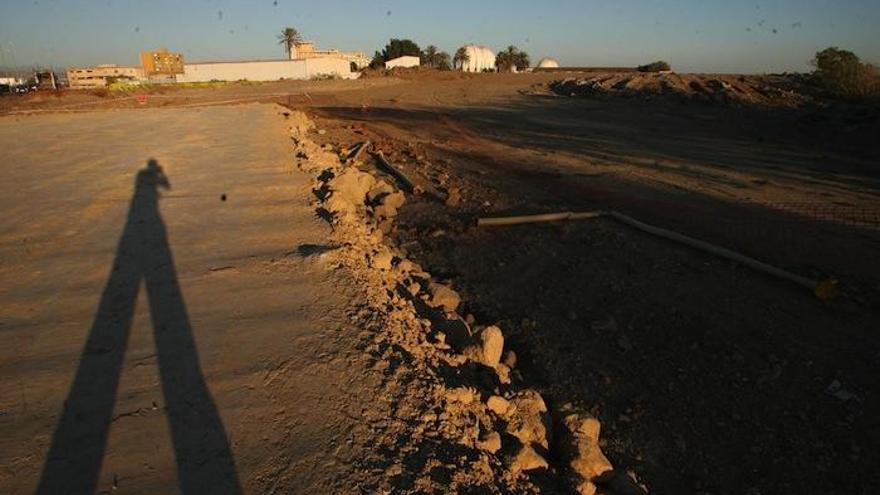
(705, 376)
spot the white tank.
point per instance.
(548, 63)
(479, 59)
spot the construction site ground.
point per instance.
(706, 376)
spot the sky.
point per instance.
(693, 35)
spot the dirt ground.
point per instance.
(707, 377)
(191, 350)
(711, 378)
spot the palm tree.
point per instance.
(461, 57)
(512, 59)
(429, 56)
(289, 38)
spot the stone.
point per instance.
(352, 185)
(463, 395)
(529, 420)
(442, 296)
(378, 191)
(579, 447)
(527, 460)
(490, 443)
(383, 260)
(492, 345)
(497, 404)
(394, 200)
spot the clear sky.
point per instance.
(693, 35)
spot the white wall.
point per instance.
(405, 61)
(266, 70)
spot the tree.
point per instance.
(435, 59)
(658, 66)
(400, 48)
(461, 57)
(843, 74)
(289, 38)
(443, 61)
(512, 59)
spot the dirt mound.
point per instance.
(454, 415)
(773, 91)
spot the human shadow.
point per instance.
(201, 447)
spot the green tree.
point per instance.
(512, 59)
(289, 38)
(443, 61)
(433, 58)
(400, 48)
(461, 57)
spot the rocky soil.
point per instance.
(455, 416)
(769, 91)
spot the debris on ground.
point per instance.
(453, 420)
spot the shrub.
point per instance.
(658, 66)
(843, 75)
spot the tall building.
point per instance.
(161, 62)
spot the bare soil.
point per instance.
(706, 376)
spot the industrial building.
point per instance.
(163, 66)
(266, 70)
(478, 59)
(101, 75)
(404, 61)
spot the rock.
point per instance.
(463, 395)
(527, 460)
(579, 447)
(378, 191)
(529, 420)
(394, 200)
(385, 211)
(453, 199)
(383, 260)
(491, 443)
(492, 345)
(352, 185)
(497, 404)
(322, 132)
(442, 296)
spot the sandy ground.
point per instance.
(188, 324)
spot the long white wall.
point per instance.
(267, 70)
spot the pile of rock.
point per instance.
(467, 398)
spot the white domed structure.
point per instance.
(548, 63)
(479, 58)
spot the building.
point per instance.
(548, 63)
(12, 79)
(266, 70)
(477, 59)
(161, 62)
(404, 61)
(45, 80)
(307, 50)
(101, 76)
